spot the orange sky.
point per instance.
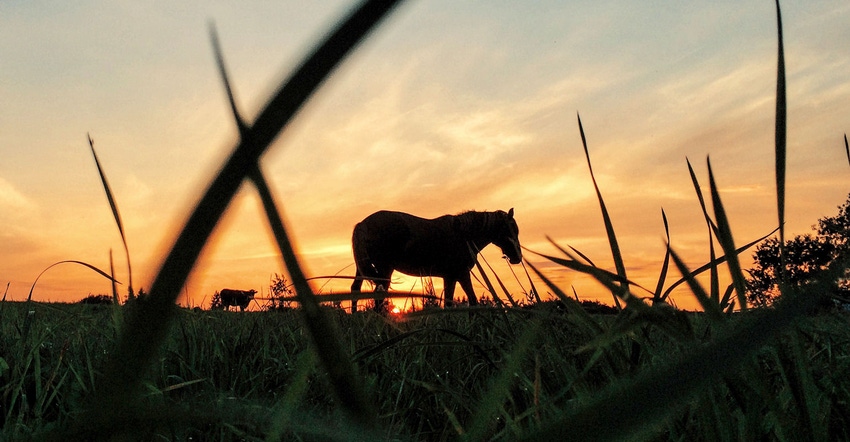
(448, 107)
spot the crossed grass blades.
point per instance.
(147, 322)
(641, 392)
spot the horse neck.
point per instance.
(477, 227)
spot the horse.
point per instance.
(444, 247)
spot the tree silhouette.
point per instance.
(807, 257)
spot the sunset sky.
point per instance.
(449, 106)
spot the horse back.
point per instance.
(411, 244)
(398, 227)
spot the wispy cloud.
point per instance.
(13, 202)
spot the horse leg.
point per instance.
(449, 290)
(382, 285)
(355, 287)
(380, 303)
(466, 285)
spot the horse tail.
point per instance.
(365, 268)
(360, 250)
(358, 245)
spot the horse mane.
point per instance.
(474, 223)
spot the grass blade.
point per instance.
(572, 306)
(780, 139)
(474, 254)
(610, 280)
(609, 227)
(531, 284)
(325, 336)
(581, 255)
(490, 285)
(565, 252)
(847, 148)
(222, 70)
(724, 236)
(712, 308)
(714, 285)
(657, 296)
(114, 206)
(115, 299)
(726, 303)
(716, 262)
(84, 264)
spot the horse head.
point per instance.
(506, 236)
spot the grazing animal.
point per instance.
(444, 247)
(236, 298)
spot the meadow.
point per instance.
(438, 375)
(149, 370)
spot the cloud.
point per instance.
(12, 201)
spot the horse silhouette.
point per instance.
(444, 247)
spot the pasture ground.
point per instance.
(253, 376)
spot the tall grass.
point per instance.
(635, 407)
(117, 216)
(497, 374)
(623, 292)
(70, 261)
(551, 372)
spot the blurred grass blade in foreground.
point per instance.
(148, 321)
(326, 338)
(325, 335)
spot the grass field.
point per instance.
(150, 370)
(492, 374)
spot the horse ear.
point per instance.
(511, 213)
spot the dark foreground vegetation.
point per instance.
(495, 373)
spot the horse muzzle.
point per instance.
(513, 253)
(514, 259)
